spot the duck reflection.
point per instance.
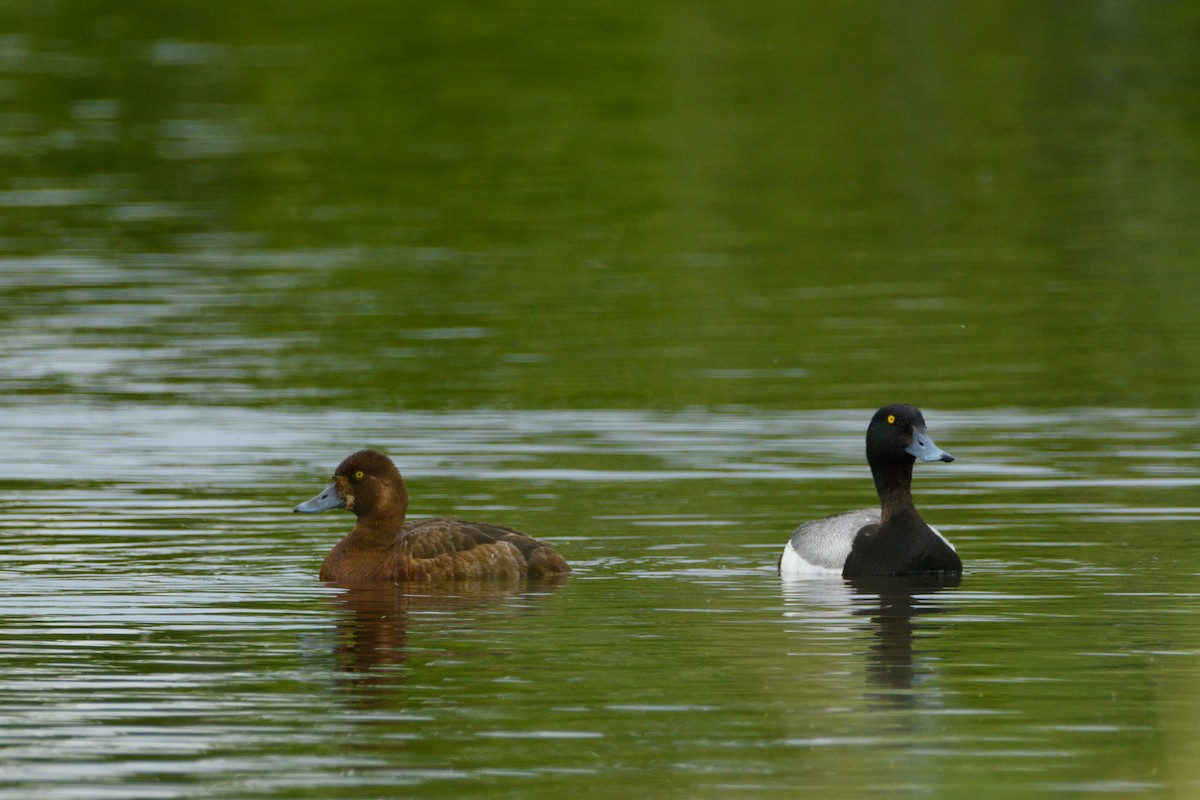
(372, 630)
(373, 622)
(896, 607)
(897, 604)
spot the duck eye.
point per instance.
(891, 419)
(358, 475)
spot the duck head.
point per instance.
(366, 483)
(897, 434)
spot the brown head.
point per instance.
(366, 483)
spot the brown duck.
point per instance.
(383, 547)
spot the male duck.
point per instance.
(383, 547)
(892, 539)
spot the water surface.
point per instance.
(165, 636)
(632, 279)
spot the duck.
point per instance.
(891, 540)
(383, 546)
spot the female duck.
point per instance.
(892, 539)
(383, 547)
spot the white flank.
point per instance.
(793, 565)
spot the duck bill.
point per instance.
(323, 502)
(922, 448)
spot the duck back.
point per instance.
(476, 548)
(444, 549)
(821, 547)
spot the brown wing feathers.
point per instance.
(481, 548)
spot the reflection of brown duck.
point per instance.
(372, 622)
(383, 547)
(372, 627)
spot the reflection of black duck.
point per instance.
(384, 547)
(889, 540)
(892, 665)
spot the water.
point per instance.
(632, 280)
(164, 635)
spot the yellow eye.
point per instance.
(891, 421)
(358, 475)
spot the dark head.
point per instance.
(366, 483)
(897, 435)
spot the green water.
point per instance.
(631, 278)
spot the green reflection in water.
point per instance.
(611, 206)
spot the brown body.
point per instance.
(440, 549)
(384, 547)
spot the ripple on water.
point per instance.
(161, 621)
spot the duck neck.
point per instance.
(384, 508)
(893, 482)
(378, 530)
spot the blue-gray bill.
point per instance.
(323, 502)
(922, 448)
